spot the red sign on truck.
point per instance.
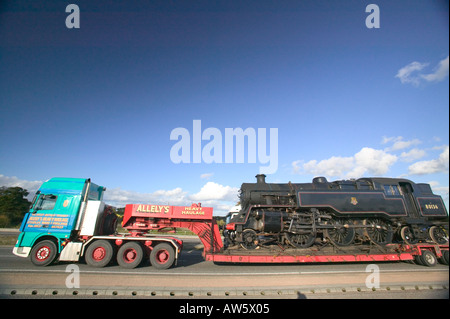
(195, 211)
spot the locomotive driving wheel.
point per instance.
(342, 234)
(408, 236)
(301, 240)
(438, 235)
(378, 231)
(250, 239)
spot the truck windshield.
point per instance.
(34, 199)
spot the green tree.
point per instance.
(13, 205)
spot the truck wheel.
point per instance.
(428, 258)
(418, 260)
(99, 253)
(444, 258)
(44, 253)
(130, 255)
(162, 256)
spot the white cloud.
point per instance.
(214, 191)
(221, 198)
(436, 139)
(399, 143)
(412, 74)
(297, 166)
(439, 165)
(440, 190)
(412, 155)
(405, 74)
(334, 166)
(206, 175)
(367, 160)
(440, 72)
(376, 162)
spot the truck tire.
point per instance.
(99, 253)
(162, 256)
(130, 255)
(444, 258)
(44, 253)
(428, 258)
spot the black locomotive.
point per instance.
(344, 212)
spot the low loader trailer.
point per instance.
(68, 221)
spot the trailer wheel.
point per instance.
(130, 255)
(43, 253)
(162, 256)
(99, 253)
(428, 258)
(418, 260)
(444, 258)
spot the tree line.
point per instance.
(13, 206)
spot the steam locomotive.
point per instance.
(376, 211)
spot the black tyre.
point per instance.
(130, 255)
(428, 258)
(44, 253)
(99, 253)
(444, 258)
(162, 256)
(418, 260)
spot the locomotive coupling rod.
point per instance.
(290, 225)
(363, 226)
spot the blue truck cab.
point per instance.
(56, 216)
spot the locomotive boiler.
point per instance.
(376, 211)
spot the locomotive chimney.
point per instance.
(260, 179)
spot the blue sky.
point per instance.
(101, 101)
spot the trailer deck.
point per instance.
(274, 254)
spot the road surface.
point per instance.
(195, 278)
